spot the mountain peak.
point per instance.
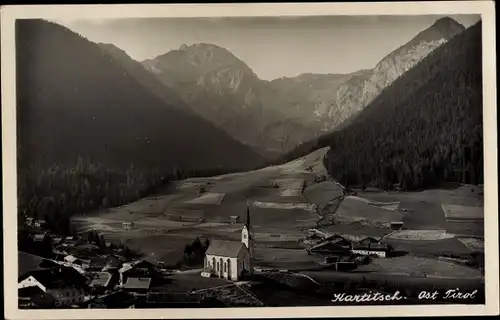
(447, 25)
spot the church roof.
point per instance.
(224, 248)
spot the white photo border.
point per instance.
(7, 19)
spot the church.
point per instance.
(230, 259)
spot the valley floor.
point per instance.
(438, 224)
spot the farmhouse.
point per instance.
(65, 284)
(34, 298)
(372, 247)
(137, 269)
(229, 259)
(127, 225)
(139, 285)
(101, 281)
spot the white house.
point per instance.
(64, 284)
(230, 259)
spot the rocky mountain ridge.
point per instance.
(275, 116)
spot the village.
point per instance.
(279, 236)
(74, 272)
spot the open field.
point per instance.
(281, 216)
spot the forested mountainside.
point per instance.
(422, 130)
(89, 135)
(357, 92)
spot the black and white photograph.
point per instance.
(237, 161)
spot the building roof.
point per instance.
(99, 279)
(97, 262)
(39, 237)
(70, 259)
(28, 262)
(130, 265)
(58, 277)
(224, 248)
(137, 283)
(28, 292)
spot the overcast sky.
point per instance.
(272, 47)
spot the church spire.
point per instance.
(247, 223)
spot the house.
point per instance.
(141, 268)
(397, 225)
(65, 284)
(234, 219)
(127, 225)
(372, 247)
(29, 221)
(138, 285)
(112, 264)
(40, 223)
(40, 237)
(73, 260)
(333, 245)
(97, 264)
(229, 259)
(100, 282)
(34, 298)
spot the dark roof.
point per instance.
(58, 277)
(28, 262)
(28, 292)
(137, 283)
(328, 246)
(99, 279)
(97, 262)
(224, 248)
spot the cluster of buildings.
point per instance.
(76, 272)
(79, 273)
(336, 249)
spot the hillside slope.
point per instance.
(74, 100)
(90, 136)
(425, 128)
(359, 91)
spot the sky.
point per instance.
(273, 47)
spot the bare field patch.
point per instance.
(421, 235)
(285, 206)
(208, 198)
(323, 192)
(353, 209)
(459, 212)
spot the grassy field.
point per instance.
(281, 216)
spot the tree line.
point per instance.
(423, 130)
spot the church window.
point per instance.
(225, 266)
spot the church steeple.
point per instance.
(247, 222)
(246, 232)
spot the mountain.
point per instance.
(75, 100)
(425, 128)
(358, 91)
(276, 116)
(224, 90)
(143, 77)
